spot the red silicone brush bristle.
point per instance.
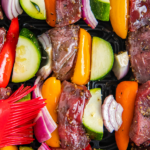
(20, 93)
(16, 122)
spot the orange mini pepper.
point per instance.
(82, 69)
(50, 12)
(51, 90)
(9, 148)
(119, 13)
(125, 95)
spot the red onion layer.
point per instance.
(46, 70)
(11, 8)
(112, 114)
(44, 146)
(88, 15)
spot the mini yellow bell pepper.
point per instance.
(119, 13)
(51, 90)
(82, 68)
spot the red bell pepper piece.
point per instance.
(88, 147)
(7, 54)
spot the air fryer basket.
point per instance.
(107, 85)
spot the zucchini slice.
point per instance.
(27, 61)
(102, 58)
(92, 118)
(101, 9)
(34, 8)
(26, 98)
(30, 35)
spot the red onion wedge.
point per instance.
(88, 15)
(44, 146)
(121, 65)
(11, 8)
(18, 8)
(45, 125)
(112, 114)
(51, 125)
(37, 91)
(6, 6)
(40, 38)
(105, 113)
(41, 131)
(119, 111)
(46, 70)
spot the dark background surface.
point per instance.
(107, 85)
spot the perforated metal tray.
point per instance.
(107, 85)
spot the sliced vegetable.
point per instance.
(82, 68)
(121, 65)
(11, 8)
(101, 9)
(88, 15)
(50, 12)
(18, 8)
(9, 148)
(102, 58)
(92, 118)
(34, 8)
(30, 35)
(7, 54)
(119, 111)
(112, 114)
(105, 113)
(25, 148)
(51, 90)
(25, 66)
(51, 125)
(46, 70)
(44, 146)
(125, 95)
(41, 131)
(119, 13)
(45, 125)
(26, 98)
(37, 91)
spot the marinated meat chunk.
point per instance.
(67, 12)
(70, 111)
(139, 14)
(138, 46)
(69, 64)
(140, 128)
(64, 44)
(2, 37)
(5, 93)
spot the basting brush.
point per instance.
(16, 119)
